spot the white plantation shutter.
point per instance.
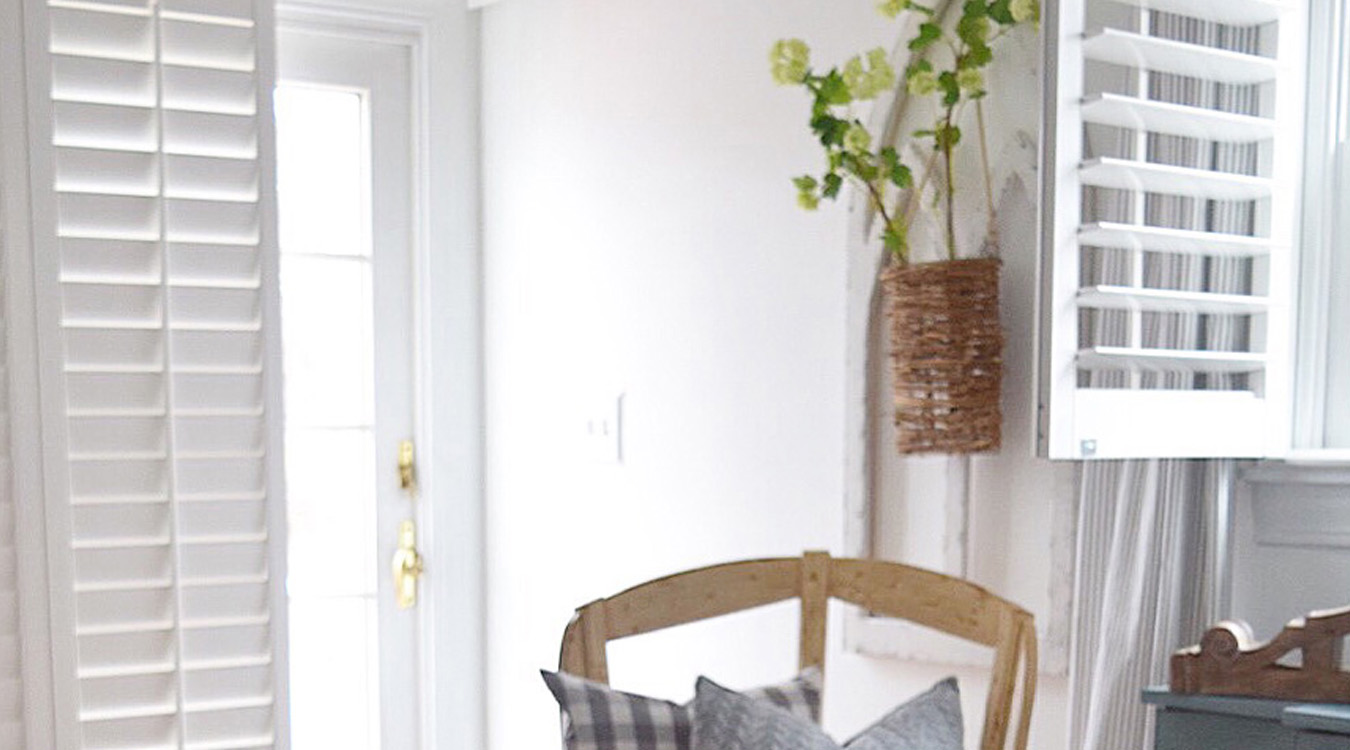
(155, 274)
(1173, 148)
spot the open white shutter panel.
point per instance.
(1172, 136)
(161, 207)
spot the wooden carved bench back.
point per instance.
(937, 601)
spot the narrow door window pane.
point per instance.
(327, 320)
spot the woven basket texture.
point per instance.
(946, 355)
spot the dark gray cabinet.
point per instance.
(1207, 722)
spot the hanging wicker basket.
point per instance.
(946, 355)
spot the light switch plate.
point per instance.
(602, 430)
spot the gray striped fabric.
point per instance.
(597, 717)
(726, 720)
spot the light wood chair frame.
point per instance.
(951, 605)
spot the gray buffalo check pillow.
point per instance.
(597, 717)
(726, 720)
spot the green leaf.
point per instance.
(805, 182)
(924, 133)
(951, 91)
(833, 183)
(829, 129)
(1000, 11)
(901, 176)
(947, 137)
(929, 33)
(978, 56)
(973, 29)
(893, 240)
(833, 89)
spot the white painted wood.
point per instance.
(1290, 542)
(1322, 222)
(1318, 456)
(448, 334)
(1165, 300)
(11, 662)
(160, 566)
(1107, 108)
(1165, 240)
(1141, 51)
(1232, 12)
(1069, 356)
(1120, 357)
(1123, 174)
(381, 72)
(1199, 423)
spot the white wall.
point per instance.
(640, 235)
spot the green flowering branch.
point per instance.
(849, 154)
(846, 141)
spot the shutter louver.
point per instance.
(1172, 140)
(160, 210)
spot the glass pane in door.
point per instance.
(327, 333)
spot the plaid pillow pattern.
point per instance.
(597, 717)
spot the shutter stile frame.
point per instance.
(1080, 419)
(72, 679)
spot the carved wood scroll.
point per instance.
(1228, 661)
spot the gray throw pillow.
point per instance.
(727, 720)
(598, 717)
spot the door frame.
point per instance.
(441, 43)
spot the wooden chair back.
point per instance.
(951, 605)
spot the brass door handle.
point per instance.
(407, 566)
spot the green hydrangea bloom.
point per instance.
(1025, 10)
(892, 8)
(971, 81)
(878, 60)
(922, 83)
(790, 60)
(857, 140)
(867, 81)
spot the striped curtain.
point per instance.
(1150, 532)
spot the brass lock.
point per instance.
(407, 468)
(407, 566)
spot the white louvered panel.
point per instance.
(1175, 119)
(1172, 139)
(1232, 12)
(1127, 358)
(1146, 52)
(158, 188)
(1165, 240)
(1124, 174)
(1166, 300)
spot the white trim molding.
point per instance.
(442, 41)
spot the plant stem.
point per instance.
(912, 204)
(951, 186)
(879, 201)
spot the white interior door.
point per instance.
(346, 217)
